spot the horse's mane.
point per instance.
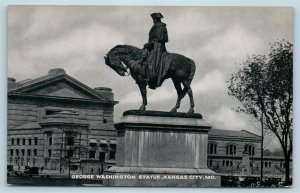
(125, 49)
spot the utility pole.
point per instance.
(262, 148)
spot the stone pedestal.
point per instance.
(161, 149)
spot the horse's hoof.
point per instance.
(191, 111)
(174, 110)
(142, 109)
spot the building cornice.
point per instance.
(47, 97)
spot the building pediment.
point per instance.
(60, 89)
(56, 84)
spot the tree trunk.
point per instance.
(287, 170)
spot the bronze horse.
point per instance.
(181, 71)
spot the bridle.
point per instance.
(127, 71)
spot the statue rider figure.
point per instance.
(158, 36)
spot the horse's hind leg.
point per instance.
(187, 86)
(143, 90)
(179, 95)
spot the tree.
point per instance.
(264, 87)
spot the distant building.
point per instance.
(238, 153)
(56, 122)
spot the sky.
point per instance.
(217, 38)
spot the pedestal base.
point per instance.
(161, 149)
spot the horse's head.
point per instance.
(112, 59)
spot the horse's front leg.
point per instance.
(143, 91)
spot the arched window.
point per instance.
(231, 149)
(212, 148)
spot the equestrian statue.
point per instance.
(153, 64)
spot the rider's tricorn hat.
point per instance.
(157, 16)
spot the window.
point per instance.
(102, 157)
(35, 152)
(24, 141)
(17, 152)
(23, 152)
(210, 162)
(92, 154)
(35, 141)
(223, 163)
(29, 141)
(231, 149)
(266, 164)
(70, 153)
(113, 147)
(11, 152)
(227, 163)
(250, 149)
(12, 141)
(103, 147)
(49, 152)
(70, 140)
(93, 142)
(18, 141)
(112, 155)
(50, 140)
(269, 164)
(28, 152)
(60, 112)
(212, 148)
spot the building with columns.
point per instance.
(55, 122)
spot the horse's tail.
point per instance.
(193, 70)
